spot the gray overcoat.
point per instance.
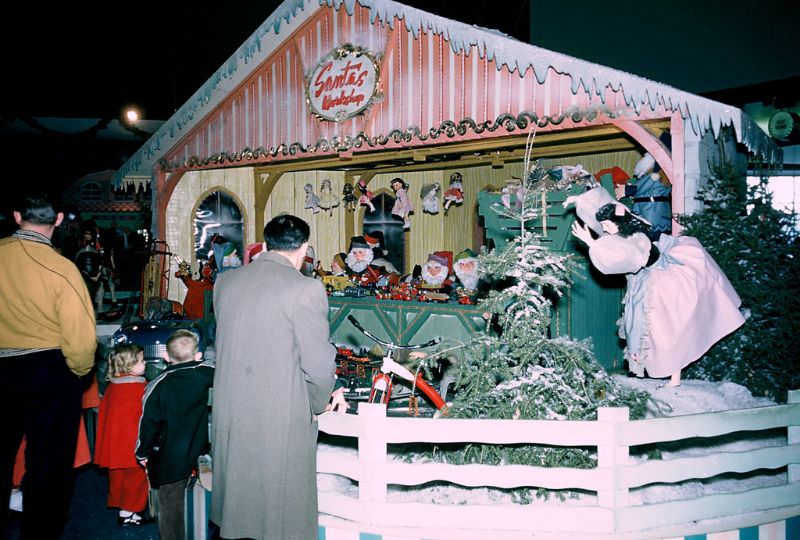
(274, 371)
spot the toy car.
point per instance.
(433, 296)
(335, 283)
(152, 336)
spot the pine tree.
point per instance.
(520, 371)
(757, 248)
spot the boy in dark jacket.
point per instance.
(173, 431)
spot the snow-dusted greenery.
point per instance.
(757, 248)
(520, 372)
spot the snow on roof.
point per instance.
(701, 113)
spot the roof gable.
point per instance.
(592, 83)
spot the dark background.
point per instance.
(73, 60)
(66, 59)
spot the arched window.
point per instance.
(392, 228)
(91, 192)
(217, 214)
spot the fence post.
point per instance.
(371, 458)
(793, 437)
(610, 456)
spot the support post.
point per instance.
(371, 458)
(793, 437)
(611, 456)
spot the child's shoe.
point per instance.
(15, 502)
(129, 519)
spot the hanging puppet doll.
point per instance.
(678, 302)
(512, 193)
(348, 199)
(402, 205)
(365, 197)
(430, 198)
(327, 199)
(454, 193)
(312, 201)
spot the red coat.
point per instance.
(118, 423)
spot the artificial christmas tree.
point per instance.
(757, 247)
(520, 371)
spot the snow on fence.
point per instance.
(613, 434)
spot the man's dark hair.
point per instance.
(286, 233)
(38, 207)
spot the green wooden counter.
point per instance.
(402, 322)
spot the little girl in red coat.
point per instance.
(117, 430)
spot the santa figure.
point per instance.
(359, 255)
(436, 270)
(379, 251)
(465, 266)
(193, 303)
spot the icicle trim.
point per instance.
(702, 114)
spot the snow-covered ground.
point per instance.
(691, 397)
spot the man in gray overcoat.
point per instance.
(275, 373)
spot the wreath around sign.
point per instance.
(346, 79)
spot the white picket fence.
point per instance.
(613, 434)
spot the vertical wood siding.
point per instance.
(423, 82)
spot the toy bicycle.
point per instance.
(383, 384)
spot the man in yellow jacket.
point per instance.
(47, 342)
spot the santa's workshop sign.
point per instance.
(344, 83)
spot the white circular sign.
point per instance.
(343, 84)
(781, 124)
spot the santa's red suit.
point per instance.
(193, 304)
(117, 431)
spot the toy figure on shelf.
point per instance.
(430, 198)
(312, 201)
(402, 205)
(566, 175)
(348, 199)
(226, 256)
(338, 266)
(379, 251)
(455, 192)
(253, 252)
(309, 266)
(436, 271)
(366, 196)
(98, 277)
(678, 302)
(465, 266)
(327, 199)
(652, 196)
